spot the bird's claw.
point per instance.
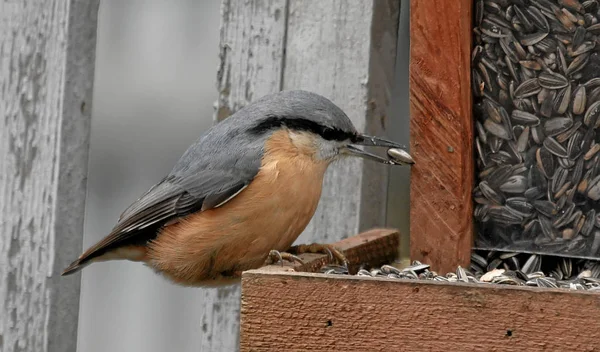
(278, 257)
(328, 249)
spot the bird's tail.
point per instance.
(95, 254)
(75, 267)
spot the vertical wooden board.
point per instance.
(250, 52)
(345, 50)
(47, 57)
(251, 59)
(221, 319)
(441, 133)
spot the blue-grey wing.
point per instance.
(184, 191)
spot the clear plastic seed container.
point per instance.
(536, 85)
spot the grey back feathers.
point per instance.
(229, 150)
(221, 163)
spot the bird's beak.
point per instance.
(397, 154)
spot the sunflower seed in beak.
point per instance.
(400, 156)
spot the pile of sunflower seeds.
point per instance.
(502, 268)
(536, 82)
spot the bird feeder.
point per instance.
(298, 308)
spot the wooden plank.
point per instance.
(346, 50)
(267, 46)
(441, 209)
(316, 312)
(47, 57)
(372, 248)
(251, 52)
(251, 65)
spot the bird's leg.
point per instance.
(278, 257)
(320, 248)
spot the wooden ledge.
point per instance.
(318, 312)
(373, 248)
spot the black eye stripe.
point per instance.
(301, 124)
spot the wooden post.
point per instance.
(346, 51)
(47, 56)
(441, 209)
(251, 52)
(342, 49)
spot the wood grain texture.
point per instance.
(47, 56)
(251, 52)
(372, 248)
(316, 312)
(441, 209)
(346, 50)
(251, 64)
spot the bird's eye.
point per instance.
(328, 133)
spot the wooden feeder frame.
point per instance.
(294, 308)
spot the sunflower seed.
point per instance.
(555, 148)
(556, 125)
(545, 162)
(536, 82)
(552, 80)
(579, 100)
(528, 88)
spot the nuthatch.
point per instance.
(241, 194)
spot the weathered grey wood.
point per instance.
(47, 50)
(251, 53)
(346, 51)
(342, 49)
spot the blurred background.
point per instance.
(155, 85)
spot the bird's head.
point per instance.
(319, 127)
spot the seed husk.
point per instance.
(533, 38)
(579, 100)
(503, 215)
(537, 134)
(531, 64)
(515, 184)
(591, 114)
(520, 205)
(528, 88)
(490, 194)
(592, 151)
(496, 129)
(552, 80)
(524, 118)
(577, 64)
(523, 140)
(561, 102)
(563, 137)
(537, 18)
(593, 191)
(556, 125)
(555, 148)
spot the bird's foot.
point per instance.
(328, 249)
(278, 257)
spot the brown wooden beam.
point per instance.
(441, 209)
(318, 312)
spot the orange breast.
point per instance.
(269, 214)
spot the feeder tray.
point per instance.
(294, 308)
